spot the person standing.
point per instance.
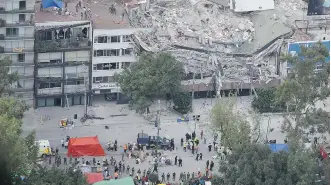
(180, 162)
(184, 176)
(211, 165)
(173, 176)
(181, 141)
(168, 176)
(185, 144)
(200, 156)
(201, 134)
(197, 158)
(207, 164)
(176, 160)
(193, 149)
(209, 147)
(162, 177)
(188, 175)
(62, 142)
(181, 176)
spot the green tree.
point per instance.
(6, 79)
(255, 164)
(182, 102)
(265, 101)
(303, 88)
(152, 76)
(56, 176)
(231, 126)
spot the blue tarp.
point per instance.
(278, 147)
(52, 3)
(295, 48)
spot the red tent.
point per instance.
(93, 177)
(85, 146)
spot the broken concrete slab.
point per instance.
(251, 5)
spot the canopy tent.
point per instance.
(52, 3)
(85, 146)
(93, 177)
(278, 147)
(122, 181)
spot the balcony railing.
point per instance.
(62, 44)
(19, 10)
(74, 88)
(47, 91)
(16, 23)
(16, 37)
(23, 63)
(16, 50)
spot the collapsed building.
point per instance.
(218, 47)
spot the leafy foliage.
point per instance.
(182, 101)
(153, 75)
(13, 107)
(303, 88)
(232, 126)
(56, 176)
(266, 101)
(255, 164)
(6, 79)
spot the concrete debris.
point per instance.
(290, 5)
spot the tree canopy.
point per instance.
(307, 84)
(151, 76)
(255, 164)
(6, 78)
(182, 101)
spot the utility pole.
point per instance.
(158, 123)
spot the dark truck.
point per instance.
(152, 141)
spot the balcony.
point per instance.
(3, 23)
(16, 50)
(52, 63)
(19, 10)
(16, 37)
(74, 44)
(72, 89)
(50, 91)
(23, 63)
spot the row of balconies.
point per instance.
(68, 89)
(78, 43)
(4, 23)
(16, 37)
(18, 10)
(16, 50)
(60, 63)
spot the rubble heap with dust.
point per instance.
(200, 34)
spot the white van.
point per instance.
(44, 148)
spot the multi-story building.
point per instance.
(17, 43)
(62, 59)
(113, 50)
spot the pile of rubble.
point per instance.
(192, 24)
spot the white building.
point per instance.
(63, 46)
(17, 43)
(113, 50)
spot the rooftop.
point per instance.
(96, 11)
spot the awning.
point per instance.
(85, 146)
(94, 177)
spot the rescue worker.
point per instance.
(144, 173)
(193, 175)
(173, 176)
(181, 141)
(120, 165)
(197, 158)
(168, 176)
(201, 134)
(200, 156)
(185, 144)
(65, 161)
(155, 168)
(181, 176)
(184, 177)
(163, 177)
(207, 164)
(176, 160)
(123, 168)
(188, 175)
(56, 150)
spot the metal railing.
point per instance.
(55, 90)
(62, 44)
(16, 37)
(16, 50)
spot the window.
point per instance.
(22, 5)
(106, 66)
(126, 38)
(11, 32)
(103, 79)
(115, 39)
(97, 79)
(21, 18)
(127, 51)
(49, 85)
(102, 39)
(21, 57)
(112, 52)
(126, 65)
(20, 83)
(56, 61)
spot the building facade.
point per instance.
(62, 63)
(17, 43)
(113, 51)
